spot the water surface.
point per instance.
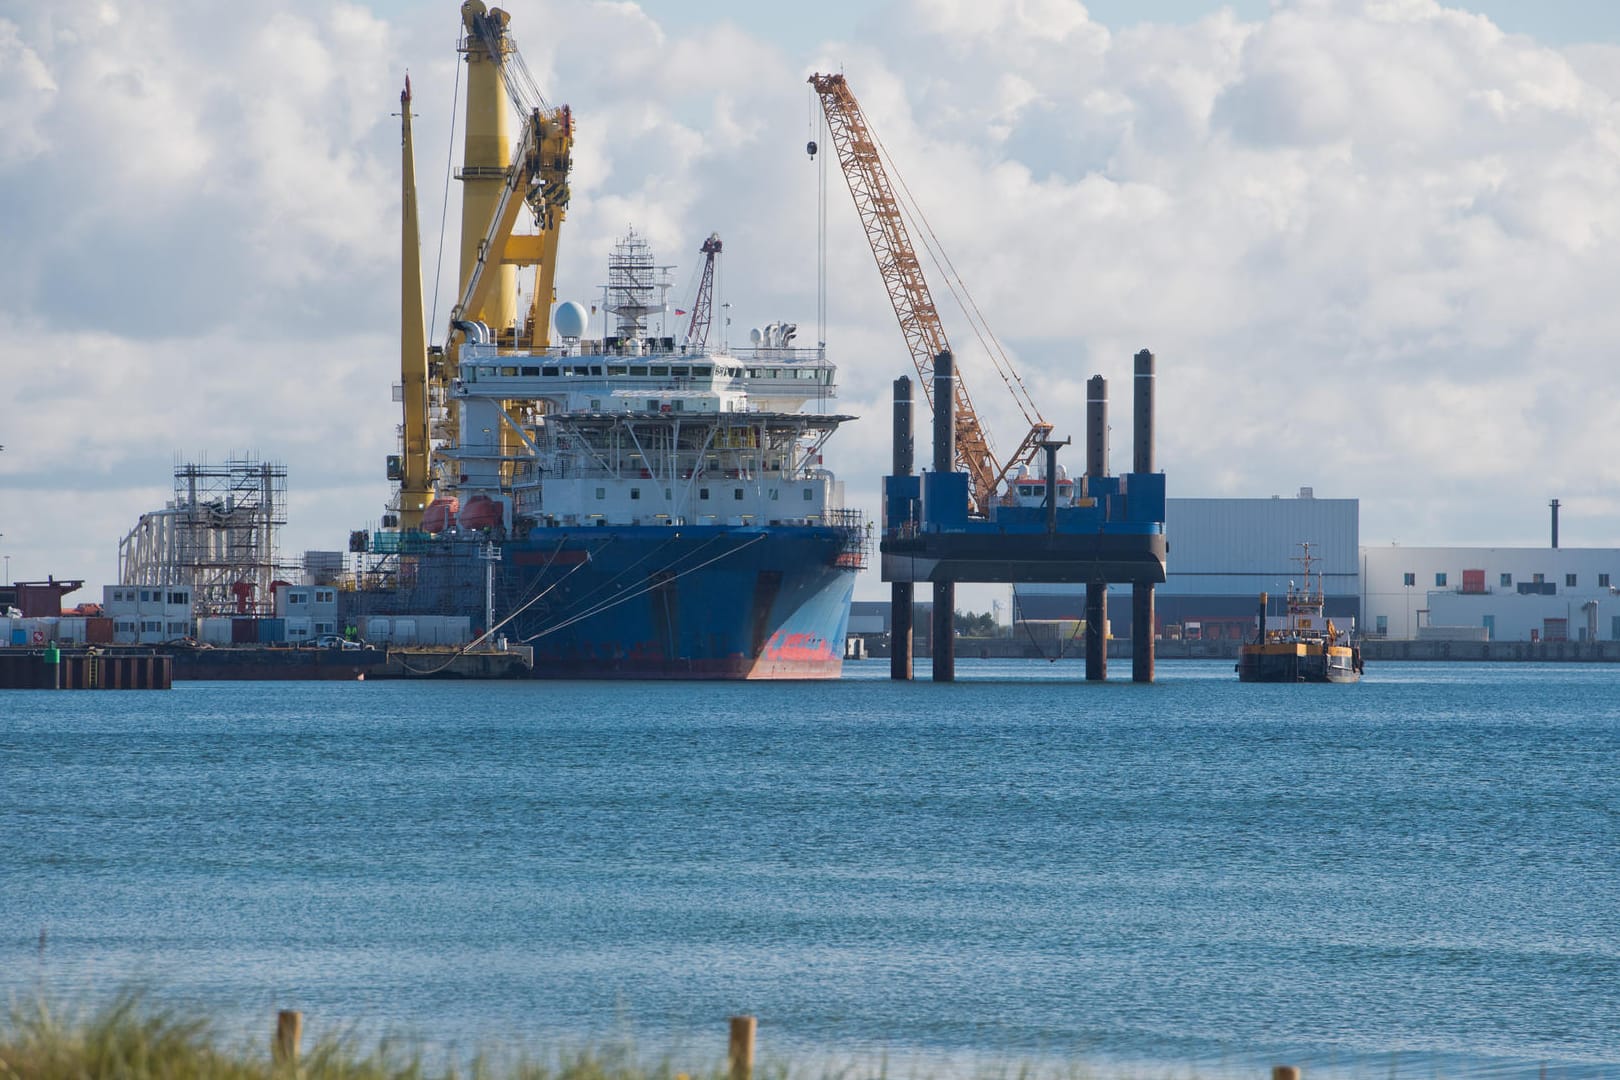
(1414, 876)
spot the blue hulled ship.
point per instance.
(624, 500)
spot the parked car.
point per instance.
(332, 641)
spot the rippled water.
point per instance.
(1413, 876)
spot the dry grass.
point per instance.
(130, 1039)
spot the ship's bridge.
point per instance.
(774, 379)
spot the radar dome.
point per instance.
(570, 320)
(756, 335)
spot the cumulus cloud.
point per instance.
(1370, 240)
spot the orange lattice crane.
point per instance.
(875, 201)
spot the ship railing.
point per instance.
(653, 346)
(857, 538)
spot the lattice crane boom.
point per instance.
(881, 216)
(697, 333)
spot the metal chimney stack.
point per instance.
(1554, 505)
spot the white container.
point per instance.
(214, 630)
(404, 632)
(70, 630)
(299, 628)
(377, 629)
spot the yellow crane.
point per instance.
(499, 183)
(861, 159)
(414, 471)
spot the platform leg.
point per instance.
(901, 619)
(1096, 628)
(943, 636)
(1142, 631)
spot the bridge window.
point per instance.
(737, 494)
(809, 493)
(550, 372)
(530, 372)
(662, 369)
(703, 493)
(635, 493)
(703, 372)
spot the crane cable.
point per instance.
(958, 288)
(481, 638)
(444, 207)
(645, 589)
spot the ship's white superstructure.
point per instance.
(632, 429)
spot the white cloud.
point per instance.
(1371, 242)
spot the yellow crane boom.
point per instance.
(415, 479)
(499, 184)
(881, 217)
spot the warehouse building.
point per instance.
(1492, 594)
(1223, 554)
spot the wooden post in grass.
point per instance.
(289, 1030)
(740, 1055)
(1285, 1072)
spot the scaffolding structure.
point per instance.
(218, 535)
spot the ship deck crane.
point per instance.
(498, 191)
(876, 202)
(703, 306)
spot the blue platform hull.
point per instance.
(688, 602)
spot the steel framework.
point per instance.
(218, 535)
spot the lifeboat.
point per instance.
(482, 512)
(440, 514)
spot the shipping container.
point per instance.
(215, 630)
(37, 631)
(70, 630)
(272, 631)
(299, 628)
(244, 631)
(98, 630)
(404, 632)
(378, 629)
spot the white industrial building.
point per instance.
(1491, 594)
(147, 614)
(1223, 554)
